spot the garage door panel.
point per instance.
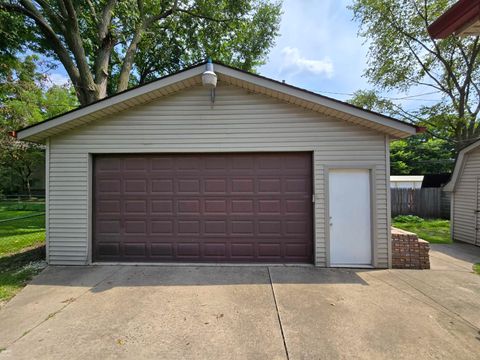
(161, 207)
(162, 250)
(215, 186)
(108, 249)
(162, 227)
(162, 186)
(215, 206)
(218, 208)
(188, 250)
(135, 249)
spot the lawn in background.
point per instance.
(17, 235)
(432, 230)
(22, 239)
(476, 268)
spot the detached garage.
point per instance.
(251, 171)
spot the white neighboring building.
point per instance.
(406, 181)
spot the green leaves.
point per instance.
(26, 98)
(420, 155)
(428, 153)
(402, 56)
(108, 45)
(181, 40)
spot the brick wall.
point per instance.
(408, 251)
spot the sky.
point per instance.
(318, 48)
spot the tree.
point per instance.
(420, 154)
(26, 99)
(427, 153)
(402, 56)
(106, 46)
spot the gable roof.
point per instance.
(459, 164)
(192, 76)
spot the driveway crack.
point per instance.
(278, 314)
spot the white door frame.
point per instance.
(477, 208)
(373, 211)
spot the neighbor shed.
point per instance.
(465, 200)
(254, 171)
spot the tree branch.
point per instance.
(202, 16)
(31, 12)
(106, 43)
(75, 42)
(137, 37)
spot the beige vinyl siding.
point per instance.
(187, 122)
(465, 202)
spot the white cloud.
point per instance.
(58, 79)
(294, 61)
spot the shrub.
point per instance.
(408, 219)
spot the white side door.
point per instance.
(350, 217)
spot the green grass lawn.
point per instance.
(21, 245)
(432, 230)
(18, 269)
(19, 234)
(476, 268)
(11, 205)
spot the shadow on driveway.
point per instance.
(101, 278)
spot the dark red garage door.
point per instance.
(203, 208)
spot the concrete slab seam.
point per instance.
(278, 314)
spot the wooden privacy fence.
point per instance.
(426, 202)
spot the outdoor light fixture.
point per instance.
(209, 79)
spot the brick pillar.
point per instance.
(408, 251)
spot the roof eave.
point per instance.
(456, 19)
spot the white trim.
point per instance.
(349, 266)
(461, 159)
(389, 201)
(47, 202)
(477, 180)
(314, 208)
(452, 214)
(89, 250)
(401, 129)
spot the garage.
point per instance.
(216, 165)
(249, 207)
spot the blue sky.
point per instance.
(318, 48)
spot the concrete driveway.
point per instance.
(175, 312)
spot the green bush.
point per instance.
(408, 219)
